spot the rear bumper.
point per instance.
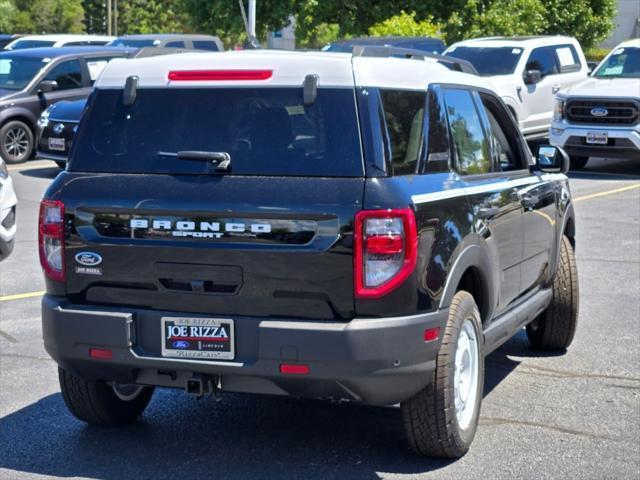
(376, 361)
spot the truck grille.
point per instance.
(611, 112)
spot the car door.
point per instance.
(534, 192)
(569, 65)
(71, 83)
(538, 98)
(493, 198)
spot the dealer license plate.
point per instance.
(56, 144)
(198, 338)
(598, 138)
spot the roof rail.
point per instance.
(451, 63)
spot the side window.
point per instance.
(205, 45)
(176, 44)
(404, 115)
(567, 58)
(67, 74)
(543, 59)
(505, 135)
(471, 143)
(96, 65)
(438, 148)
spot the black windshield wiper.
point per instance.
(222, 160)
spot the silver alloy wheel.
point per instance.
(466, 374)
(16, 142)
(127, 393)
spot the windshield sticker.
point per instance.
(295, 110)
(46, 60)
(617, 51)
(5, 66)
(516, 51)
(613, 70)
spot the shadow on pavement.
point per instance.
(241, 436)
(45, 172)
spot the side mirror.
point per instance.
(47, 86)
(551, 159)
(531, 77)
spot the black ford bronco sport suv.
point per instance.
(361, 227)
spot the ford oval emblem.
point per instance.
(180, 344)
(599, 112)
(88, 259)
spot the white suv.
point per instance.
(526, 72)
(8, 203)
(58, 40)
(600, 116)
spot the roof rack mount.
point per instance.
(452, 63)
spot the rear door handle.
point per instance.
(556, 88)
(488, 212)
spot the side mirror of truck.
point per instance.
(531, 77)
(47, 86)
(551, 159)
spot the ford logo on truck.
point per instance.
(88, 259)
(599, 112)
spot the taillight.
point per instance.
(51, 239)
(386, 245)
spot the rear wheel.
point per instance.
(99, 403)
(441, 420)
(578, 163)
(555, 328)
(16, 142)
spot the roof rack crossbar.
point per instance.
(381, 51)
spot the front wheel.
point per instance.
(99, 403)
(555, 328)
(16, 142)
(441, 420)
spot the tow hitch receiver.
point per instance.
(201, 385)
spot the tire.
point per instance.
(578, 163)
(16, 142)
(98, 403)
(62, 165)
(433, 426)
(555, 328)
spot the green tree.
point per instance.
(48, 16)
(95, 16)
(150, 16)
(481, 18)
(590, 21)
(7, 13)
(405, 25)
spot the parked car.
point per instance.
(55, 41)
(367, 230)
(8, 202)
(600, 116)
(426, 44)
(170, 40)
(59, 122)
(6, 39)
(526, 72)
(32, 79)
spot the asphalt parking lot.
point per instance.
(571, 415)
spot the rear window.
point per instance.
(266, 131)
(489, 60)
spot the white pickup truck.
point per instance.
(526, 72)
(600, 117)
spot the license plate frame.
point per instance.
(57, 144)
(207, 338)
(597, 138)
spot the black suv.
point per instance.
(305, 224)
(32, 79)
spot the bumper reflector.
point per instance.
(101, 353)
(294, 369)
(431, 334)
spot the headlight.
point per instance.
(43, 121)
(4, 173)
(558, 110)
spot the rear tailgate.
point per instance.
(220, 245)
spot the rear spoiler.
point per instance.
(451, 63)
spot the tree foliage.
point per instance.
(7, 14)
(47, 16)
(405, 25)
